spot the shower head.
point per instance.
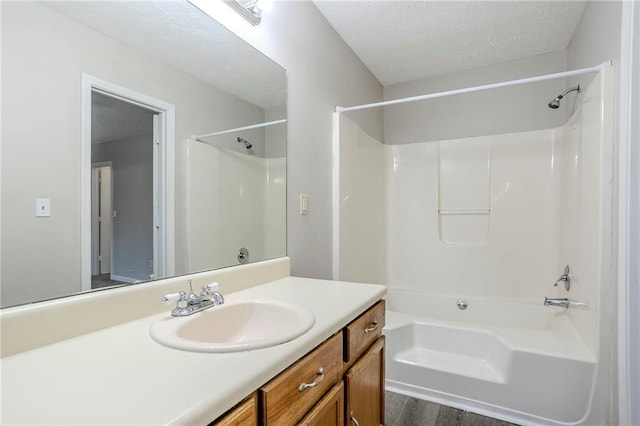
(246, 143)
(555, 103)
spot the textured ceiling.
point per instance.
(409, 40)
(114, 120)
(177, 33)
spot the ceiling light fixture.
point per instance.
(251, 10)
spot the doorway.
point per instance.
(128, 191)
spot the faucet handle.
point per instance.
(214, 286)
(173, 297)
(565, 278)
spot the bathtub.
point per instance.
(514, 360)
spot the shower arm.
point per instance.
(577, 89)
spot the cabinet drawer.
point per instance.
(363, 331)
(289, 396)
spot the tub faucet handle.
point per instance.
(565, 278)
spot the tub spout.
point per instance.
(562, 303)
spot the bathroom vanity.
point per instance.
(119, 375)
(341, 378)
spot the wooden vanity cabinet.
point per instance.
(288, 397)
(364, 368)
(362, 332)
(329, 411)
(364, 383)
(243, 414)
(338, 383)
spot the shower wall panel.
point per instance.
(504, 185)
(464, 192)
(521, 206)
(233, 201)
(275, 209)
(584, 156)
(362, 206)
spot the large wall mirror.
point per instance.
(140, 140)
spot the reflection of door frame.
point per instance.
(102, 216)
(164, 171)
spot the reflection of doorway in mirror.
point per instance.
(122, 136)
(127, 234)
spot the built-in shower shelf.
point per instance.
(462, 365)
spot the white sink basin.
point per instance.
(234, 326)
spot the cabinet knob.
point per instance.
(372, 327)
(353, 419)
(303, 386)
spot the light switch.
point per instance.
(42, 207)
(304, 204)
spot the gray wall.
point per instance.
(514, 109)
(597, 39)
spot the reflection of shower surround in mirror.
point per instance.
(42, 145)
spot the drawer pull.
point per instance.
(304, 386)
(353, 419)
(372, 327)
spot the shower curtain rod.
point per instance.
(237, 129)
(596, 68)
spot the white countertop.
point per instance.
(120, 376)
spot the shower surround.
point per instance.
(234, 201)
(492, 220)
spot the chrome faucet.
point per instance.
(565, 278)
(562, 302)
(191, 303)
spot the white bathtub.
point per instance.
(514, 360)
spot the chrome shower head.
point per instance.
(246, 143)
(555, 104)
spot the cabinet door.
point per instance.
(329, 411)
(365, 388)
(245, 414)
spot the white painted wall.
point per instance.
(506, 110)
(41, 104)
